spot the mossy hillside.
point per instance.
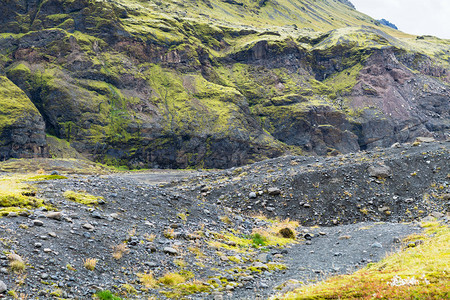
(76, 109)
(14, 104)
(190, 104)
(61, 148)
(313, 14)
(208, 96)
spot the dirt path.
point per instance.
(155, 176)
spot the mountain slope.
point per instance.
(221, 83)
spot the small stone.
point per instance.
(308, 236)
(38, 223)
(384, 209)
(170, 250)
(114, 215)
(47, 250)
(151, 264)
(3, 287)
(428, 219)
(307, 205)
(44, 276)
(54, 173)
(88, 226)
(217, 296)
(252, 195)
(14, 257)
(264, 257)
(38, 245)
(13, 214)
(55, 215)
(96, 215)
(261, 266)
(322, 233)
(437, 215)
(246, 278)
(423, 139)
(273, 191)
(380, 171)
(377, 245)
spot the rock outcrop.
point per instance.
(22, 129)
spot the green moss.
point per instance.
(185, 289)
(14, 104)
(18, 196)
(45, 177)
(82, 197)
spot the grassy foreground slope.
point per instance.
(420, 271)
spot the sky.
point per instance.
(420, 17)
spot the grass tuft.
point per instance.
(147, 280)
(119, 250)
(90, 263)
(106, 295)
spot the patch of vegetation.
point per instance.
(258, 240)
(185, 289)
(90, 263)
(147, 280)
(260, 237)
(17, 266)
(172, 279)
(419, 272)
(45, 177)
(14, 104)
(83, 198)
(18, 196)
(106, 295)
(119, 250)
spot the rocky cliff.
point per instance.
(213, 83)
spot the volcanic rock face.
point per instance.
(139, 84)
(22, 134)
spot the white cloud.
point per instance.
(421, 17)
